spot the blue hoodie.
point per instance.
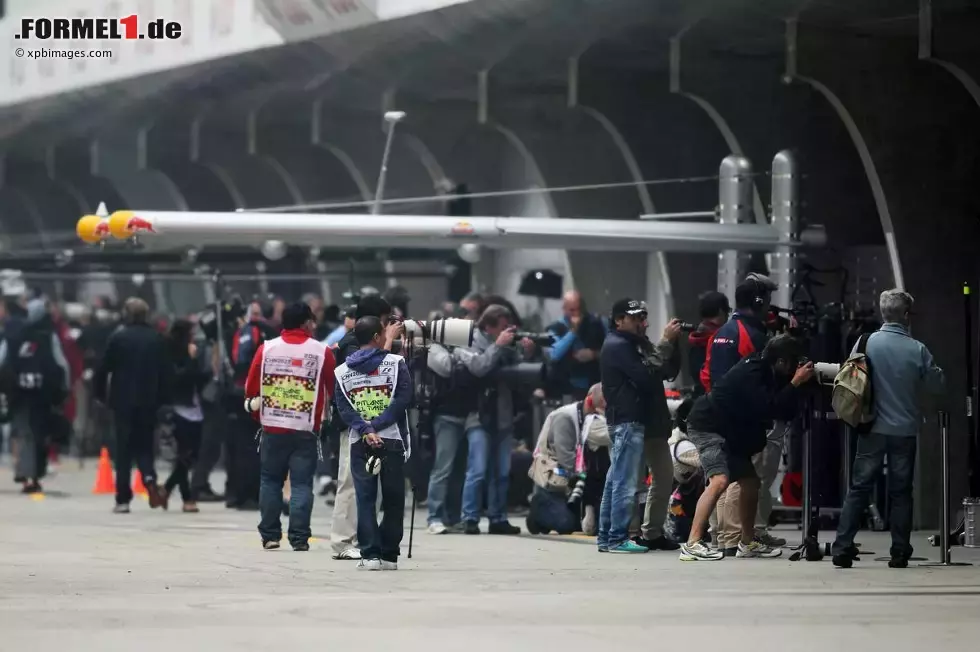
(366, 361)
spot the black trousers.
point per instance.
(212, 439)
(134, 442)
(242, 460)
(187, 434)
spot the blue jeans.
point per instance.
(550, 512)
(281, 454)
(619, 494)
(379, 541)
(449, 432)
(868, 462)
(478, 460)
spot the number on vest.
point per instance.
(30, 381)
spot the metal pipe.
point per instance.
(945, 555)
(807, 472)
(734, 208)
(445, 232)
(971, 429)
(195, 278)
(786, 221)
(679, 216)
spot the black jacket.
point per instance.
(190, 376)
(743, 404)
(347, 345)
(138, 361)
(634, 391)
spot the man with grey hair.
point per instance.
(901, 369)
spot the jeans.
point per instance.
(619, 494)
(449, 433)
(134, 440)
(282, 454)
(550, 512)
(868, 462)
(379, 542)
(478, 460)
(187, 434)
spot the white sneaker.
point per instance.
(757, 550)
(437, 528)
(389, 565)
(699, 552)
(350, 554)
(369, 565)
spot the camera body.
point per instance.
(231, 311)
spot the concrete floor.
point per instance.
(73, 576)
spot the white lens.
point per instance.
(826, 372)
(452, 332)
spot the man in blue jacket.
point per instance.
(902, 368)
(373, 394)
(578, 338)
(633, 371)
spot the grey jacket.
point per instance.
(902, 369)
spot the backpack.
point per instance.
(853, 397)
(33, 373)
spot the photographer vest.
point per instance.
(370, 394)
(290, 387)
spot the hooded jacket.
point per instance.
(253, 384)
(366, 362)
(697, 352)
(739, 337)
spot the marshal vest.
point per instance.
(290, 383)
(370, 394)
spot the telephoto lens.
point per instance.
(577, 491)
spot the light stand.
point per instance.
(392, 118)
(945, 557)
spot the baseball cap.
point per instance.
(628, 307)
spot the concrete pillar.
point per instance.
(786, 220)
(735, 207)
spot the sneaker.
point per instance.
(270, 545)
(898, 562)
(33, 487)
(767, 539)
(350, 554)
(121, 509)
(369, 564)
(699, 552)
(660, 543)
(301, 547)
(437, 528)
(629, 548)
(756, 550)
(389, 565)
(207, 495)
(603, 548)
(471, 528)
(504, 528)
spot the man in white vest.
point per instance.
(288, 386)
(373, 393)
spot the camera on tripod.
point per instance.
(231, 311)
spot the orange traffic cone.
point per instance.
(104, 482)
(139, 489)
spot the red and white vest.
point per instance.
(291, 383)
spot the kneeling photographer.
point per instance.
(476, 404)
(729, 425)
(569, 434)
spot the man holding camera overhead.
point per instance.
(633, 371)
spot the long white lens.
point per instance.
(452, 332)
(826, 372)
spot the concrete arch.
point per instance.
(355, 173)
(870, 170)
(13, 203)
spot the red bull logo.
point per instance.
(102, 229)
(138, 225)
(125, 224)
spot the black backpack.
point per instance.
(32, 373)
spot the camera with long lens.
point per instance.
(577, 491)
(824, 373)
(540, 339)
(445, 332)
(231, 311)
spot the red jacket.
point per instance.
(253, 384)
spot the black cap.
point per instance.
(296, 314)
(628, 307)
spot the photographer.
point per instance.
(492, 349)
(559, 462)
(729, 425)
(578, 338)
(633, 371)
(242, 463)
(714, 309)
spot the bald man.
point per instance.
(578, 337)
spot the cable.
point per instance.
(483, 195)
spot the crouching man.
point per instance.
(288, 387)
(559, 462)
(728, 426)
(373, 394)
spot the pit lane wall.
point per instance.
(210, 30)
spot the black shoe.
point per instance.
(207, 495)
(531, 526)
(730, 552)
(301, 547)
(248, 506)
(270, 545)
(32, 488)
(843, 561)
(898, 562)
(660, 543)
(504, 528)
(471, 527)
